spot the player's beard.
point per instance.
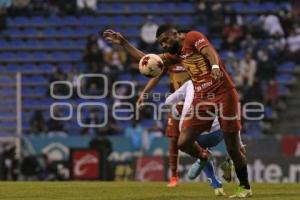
(174, 49)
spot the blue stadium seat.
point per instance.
(4, 43)
(46, 68)
(141, 79)
(118, 7)
(38, 21)
(29, 68)
(21, 21)
(238, 7)
(136, 7)
(104, 20)
(75, 55)
(54, 20)
(39, 79)
(27, 91)
(202, 29)
(65, 67)
(82, 32)
(67, 44)
(187, 7)
(125, 77)
(136, 19)
(70, 20)
(13, 67)
(289, 67)
(32, 44)
(40, 55)
(284, 79)
(50, 43)
(269, 6)
(30, 32)
(120, 20)
(17, 43)
(217, 42)
(58, 55)
(169, 7)
(87, 20)
(50, 32)
(7, 92)
(133, 31)
(66, 32)
(40, 91)
(254, 7)
(161, 89)
(7, 56)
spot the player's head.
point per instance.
(168, 37)
(182, 31)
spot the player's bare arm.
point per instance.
(209, 53)
(149, 86)
(117, 38)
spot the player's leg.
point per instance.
(187, 144)
(173, 133)
(173, 161)
(205, 140)
(215, 183)
(230, 124)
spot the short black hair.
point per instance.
(163, 28)
(184, 30)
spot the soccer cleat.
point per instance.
(173, 182)
(196, 168)
(227, 167)
(219, 192)
(241, 192)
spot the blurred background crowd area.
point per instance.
(51, 40)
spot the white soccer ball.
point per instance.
(151, 65)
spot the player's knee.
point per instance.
(182, 146)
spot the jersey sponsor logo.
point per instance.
(203, 86)
(178, 68)
(200, 41)
(184, 56)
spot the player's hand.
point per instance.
(216, 74)
(113, 37)
(140, 102)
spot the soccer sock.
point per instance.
(242, 175)
(173, 157)
(210, 173)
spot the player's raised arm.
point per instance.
(212, 56)
(148, 87)
(201, 43)
(117, 38)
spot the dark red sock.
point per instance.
(173, 156)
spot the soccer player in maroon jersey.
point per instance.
(215, 94)
(178, 76)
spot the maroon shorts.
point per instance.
(172, 129)
(228, 111)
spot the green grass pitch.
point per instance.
(135, 191)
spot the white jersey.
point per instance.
(186, 93)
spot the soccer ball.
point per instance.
(151, 65)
